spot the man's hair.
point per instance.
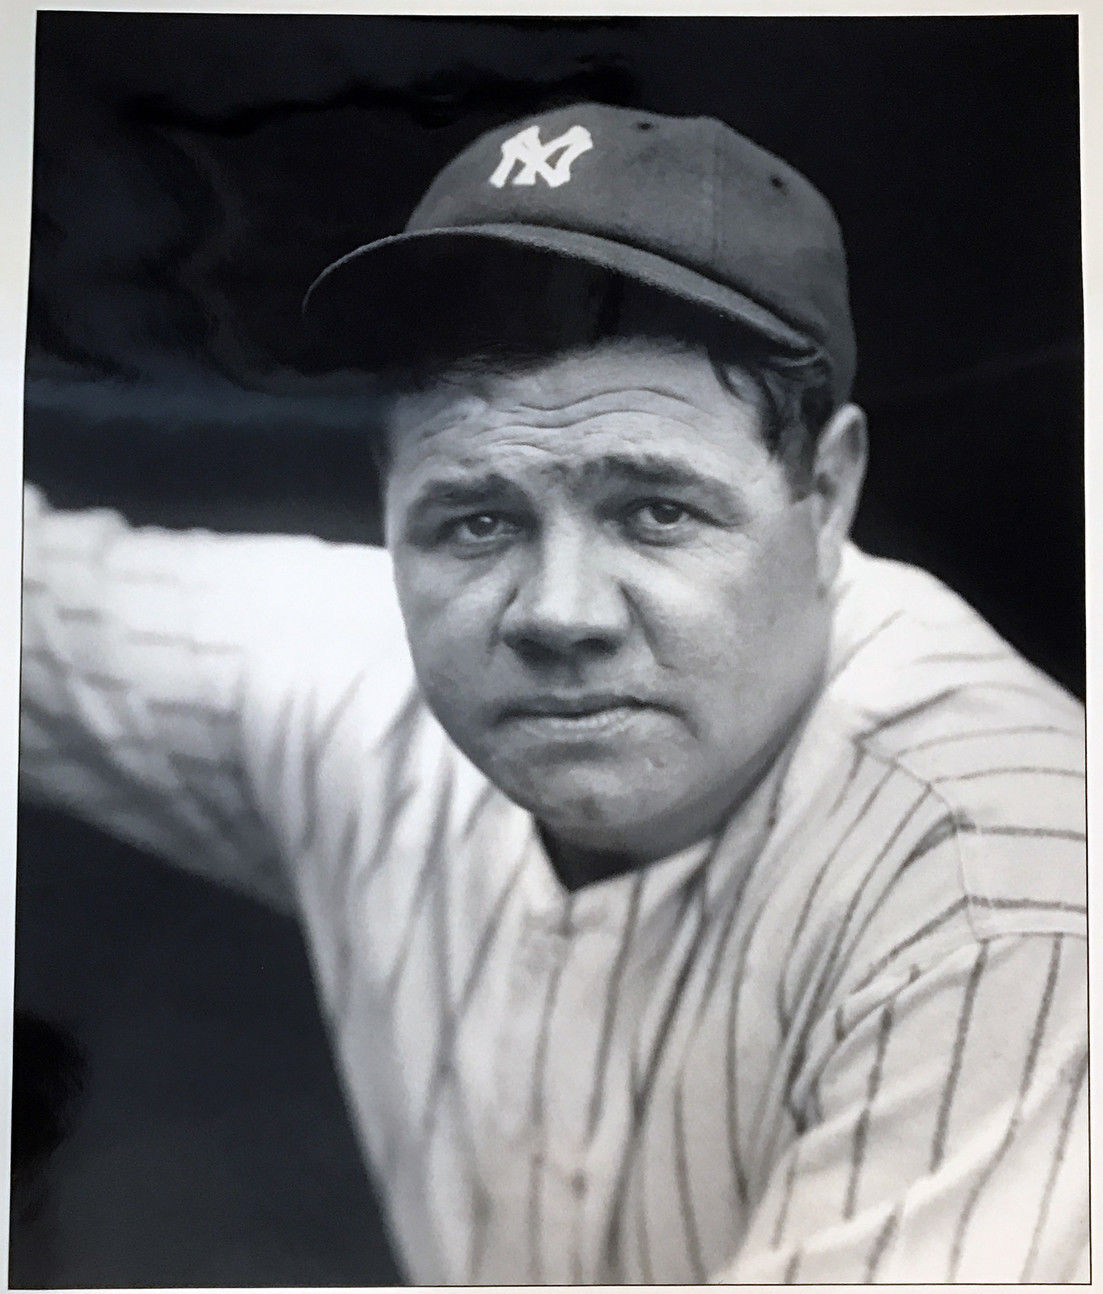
(528, 313)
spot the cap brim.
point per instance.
(356, 300)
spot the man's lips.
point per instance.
(585, 705)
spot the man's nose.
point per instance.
(567, 602)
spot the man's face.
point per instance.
(614, 604)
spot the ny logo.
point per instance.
(534, 158)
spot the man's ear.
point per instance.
(837, 475)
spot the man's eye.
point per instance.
(663, 513)
(658, 518)
(479, 529)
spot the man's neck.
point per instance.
(577, 866)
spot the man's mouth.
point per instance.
(571, 705)
(577, 713)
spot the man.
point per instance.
(691, 897)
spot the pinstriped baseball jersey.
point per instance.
(843, 1041)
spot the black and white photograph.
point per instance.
(552, 669)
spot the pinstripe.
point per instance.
(1038, 905)
(480, 1225)
(227, 824)
(827, 975)
(734, 909)
(1012, 730)
(481, 801)
(344, 906)
(943, 830)
(431, 868)
(641, 1088)
(447, 1034)
(193, 646)
(77, 745)
(1008, 685)
(577, 1277)
(685, 1199)
(91, 677)
(612, 997)
(77, 615)
(791, 1268)
(961, 657)
(1016, 1115)
(642, 1093)
(863, 643)
(534, 1219)
(694, 892)
(821, 873)
(31, 708)
(134, 578)
(44, 656)
(314, 749)
(909, 712)
(881, 1244)
(731, 1069)
(105, 682)
(239, 704)
(1055, 1164)
(731, 1106)
(857, 758)
(205, 711)
(938, 1145)
(346, 842)
(1036, 833)
(308, 774)
(446, 1017)
(917, 936)
(861, 1131)
(398, 787)
(786, 1197)
(643, 1242)
(1035, 770)
(343, 951)
(537, 1112)
(277, 751)
(227, 767)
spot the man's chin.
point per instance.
(598, 810)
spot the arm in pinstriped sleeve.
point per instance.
(142, 650)
(945, 1133)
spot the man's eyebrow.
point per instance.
(659, 472)
(640, 470)
(462, 491)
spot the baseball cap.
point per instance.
(684, 205)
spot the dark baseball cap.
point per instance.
(684, 205)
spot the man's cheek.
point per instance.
(451, 649)
(703, 629)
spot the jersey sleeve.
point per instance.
(945, 1134)
(161, 669)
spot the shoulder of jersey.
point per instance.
(923, 684)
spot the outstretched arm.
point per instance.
(162, 670)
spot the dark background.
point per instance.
(176, 1117)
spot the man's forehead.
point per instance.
(639, 377)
